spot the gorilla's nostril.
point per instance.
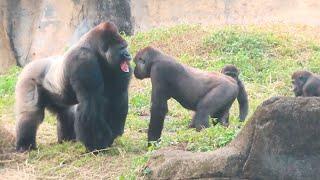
(128, 56)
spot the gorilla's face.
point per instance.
(299, 78)
(297, 85)
(142, 69)
(118, 56)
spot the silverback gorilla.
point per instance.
(87, 89)
(305, 84)
(206, 93)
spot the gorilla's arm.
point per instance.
(116, 91)
(159, 107)
(118, 113)
(91, 126)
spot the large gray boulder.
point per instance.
(280, 141)
(33, 29)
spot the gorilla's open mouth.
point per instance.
(124, 66)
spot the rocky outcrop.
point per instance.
(33, 29)
(280, 141)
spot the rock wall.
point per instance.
(154, 13)
(32, 29)
(7, 58)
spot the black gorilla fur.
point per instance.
(87, 89)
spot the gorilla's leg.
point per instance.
(211, 103)
(224, 118)
(65, 125)
(65, 121)
(213, 117)
(29, 113)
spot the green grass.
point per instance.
(7, 84)
(266, 56)
(8, 81)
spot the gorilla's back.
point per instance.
(54, 75)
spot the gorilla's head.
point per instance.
(230, 70)
(299, 78)
(143, 61)
(112, 46)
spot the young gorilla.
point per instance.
(232, 71)
(87, 88)
(305, 84)
(206, 93)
